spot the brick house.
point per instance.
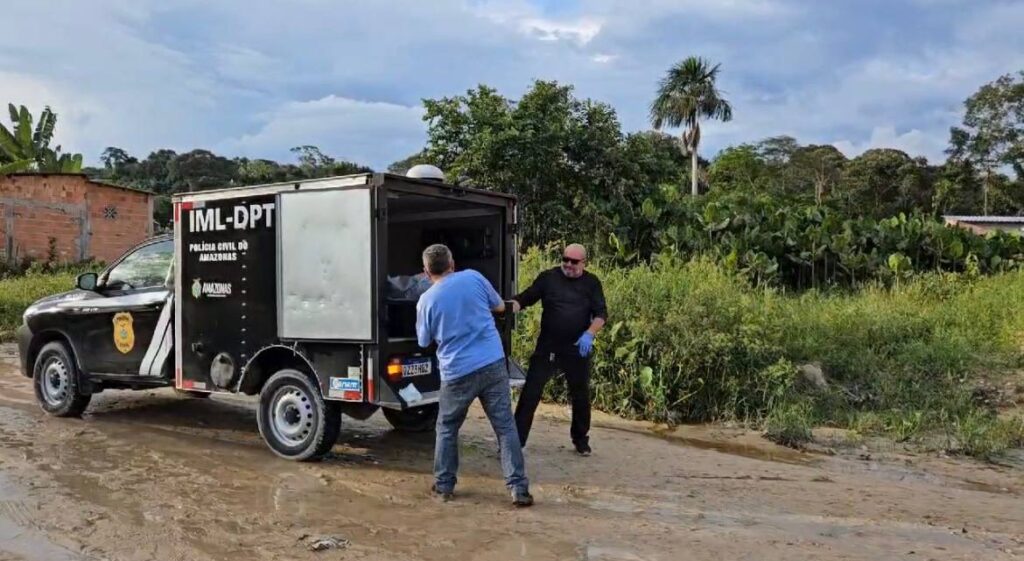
(80, 217)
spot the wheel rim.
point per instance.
(56, 382)
(292, 415)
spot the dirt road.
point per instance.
(150, 475)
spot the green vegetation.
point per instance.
(781, 284)
(690, 341)
(17, 293)
(27, 149)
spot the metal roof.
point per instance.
(988, 219)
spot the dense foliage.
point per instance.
(787, 214)
(691, 341)
(166, 172)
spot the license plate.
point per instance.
(416, 367)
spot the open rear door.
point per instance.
(326, 265)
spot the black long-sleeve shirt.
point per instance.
(570, 305)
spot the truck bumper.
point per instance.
(24, 338)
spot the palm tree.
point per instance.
(686, 94)
(28, 149)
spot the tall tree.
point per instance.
(819, 165)
(884, 182)
(686, 95)
(24, 148)
(992, 135)
(113, 158)
(560, 155)
(312, 159)
(405, 164)
(201, 169)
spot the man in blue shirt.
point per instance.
(455, 313)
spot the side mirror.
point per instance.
(87, 281)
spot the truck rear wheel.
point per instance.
(294, 419)
(57, 383)
(416, 419)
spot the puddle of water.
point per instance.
(608, 553)
(877, 541)
(1011, 459)
(972, 485)
(900, 474)
(677, 436)
(16, 538)
(9, 491)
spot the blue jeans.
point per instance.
(490, 384)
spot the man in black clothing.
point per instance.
(574, 313)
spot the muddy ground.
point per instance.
(150, 475)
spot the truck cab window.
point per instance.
(145, 268)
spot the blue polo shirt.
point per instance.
(456, 314)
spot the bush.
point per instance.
(685, 342)
(774, 242)
(17, 293)
(692, 341)
(790, 425)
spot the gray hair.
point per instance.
(577, 246)
(437, 259)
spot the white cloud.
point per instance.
(73, 112)
(528, 20)
(914, 142)
(581, 31)
(244, 64)
(374, 133)
(143, 74)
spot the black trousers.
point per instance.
(543, 365)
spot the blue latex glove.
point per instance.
(585, 343)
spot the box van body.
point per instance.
(310, 285)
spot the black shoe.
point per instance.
(582, 448)
(443, 496)
(522, 498)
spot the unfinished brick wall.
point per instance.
(119, 219)
(84, 219)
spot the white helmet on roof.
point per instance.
(425, 171)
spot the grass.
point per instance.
(790, 425)
(691, 342)
(18, 292)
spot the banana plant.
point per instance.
(25, 148)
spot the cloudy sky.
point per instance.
(255, 77)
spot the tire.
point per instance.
(417, 419)
(192, 394)
(57, 382)
(294, 419)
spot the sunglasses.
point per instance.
(571, 260)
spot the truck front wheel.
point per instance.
(416, 419)
(294, 419)
(57, 383)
